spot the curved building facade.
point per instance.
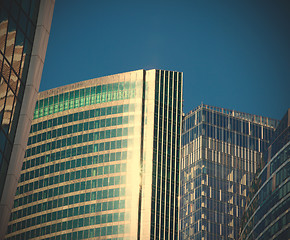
(102, 160)
(267, 214)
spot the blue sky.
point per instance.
(234, 54)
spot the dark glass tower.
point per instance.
(24, 31)
(220, 150)
(267, 212)
(102, 160)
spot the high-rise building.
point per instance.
(24, 32)
(220, 150)
(102, 160)
(267, 210)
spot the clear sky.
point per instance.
(234, 54)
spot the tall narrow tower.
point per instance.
(102, 160)
(220, 150)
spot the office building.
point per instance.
(220, 150)
(24, 32)
(102, 160)
(267, 211)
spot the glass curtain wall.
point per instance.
(17, 28)
(267, 211)
(220, 151)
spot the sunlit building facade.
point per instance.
(24, 32)
(220, 150)
(102, 160)
(267, 214)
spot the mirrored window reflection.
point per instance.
(17, 28)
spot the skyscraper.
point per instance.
(220, 150)
(24, 32)
(102, 160)
(267, 211)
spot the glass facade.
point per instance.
(101, 160)
(220, 150)
(17, 28)
(267, 213)
(166, 156)
(24, 33)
